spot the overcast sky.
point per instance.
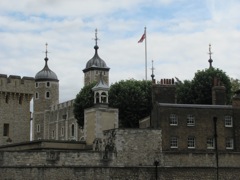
(178, 37)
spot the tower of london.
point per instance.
(50, 119)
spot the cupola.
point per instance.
(101, 92)
(46, 74)
(96, 62)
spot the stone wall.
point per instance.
(124, 154)
(15, 96)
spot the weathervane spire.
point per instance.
(96, 38)
(210, 56)
(152, 71)
(46, 52)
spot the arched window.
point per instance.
(48, 84)
(97, 97)
(47, 94)
(103, 97)
(72, 129)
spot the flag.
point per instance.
(142, 38)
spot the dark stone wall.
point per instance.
(120, 173)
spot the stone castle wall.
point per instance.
(131, 154)
(15, 96)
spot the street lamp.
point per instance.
(156, 164)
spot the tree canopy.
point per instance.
(199, 90)
(235, 84)
(83, 100)
(133, 99)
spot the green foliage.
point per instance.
(184, 92)
(84, 99)
(199, 90)
(133, 99)
(235, 84)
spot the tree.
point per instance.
(84, 99)
(184, 92)
(133, 99)
(235, 84)
(200, 88)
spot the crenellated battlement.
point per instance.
(62, 105)
(16, 84)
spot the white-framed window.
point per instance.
(47, 94)
(48, 84)
(53, 134)
(210, 143)
(38, 128)
(229, 143)
(190, 120)
(62, 131)
(174, 142)
(228, 121)
(173, 120)
(36, 85)
(36, 95)
(191, 142)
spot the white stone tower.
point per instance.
(46, 94)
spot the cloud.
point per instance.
(178, 34)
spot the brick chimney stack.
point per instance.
(218, 92)
(164, 91)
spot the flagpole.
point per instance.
(145, 31)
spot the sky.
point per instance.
(178, 34)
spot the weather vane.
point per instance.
(152, 71)
(210, 52)
(46, 52)
(96, 38)
(210, 56)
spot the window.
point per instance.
(190, 120)
(174, 142)
(36, 95)
(48, 84)
(173, 120)
(191, 142)
(47, 94)
(5, 129)
(64, 116)
(53, 134)
(229, 143)
(38, 128)
(210, 143)
(36, 85)
(62, 131)
(72, 128)
(228, 121)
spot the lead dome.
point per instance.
(96, 61)
(46, 74)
